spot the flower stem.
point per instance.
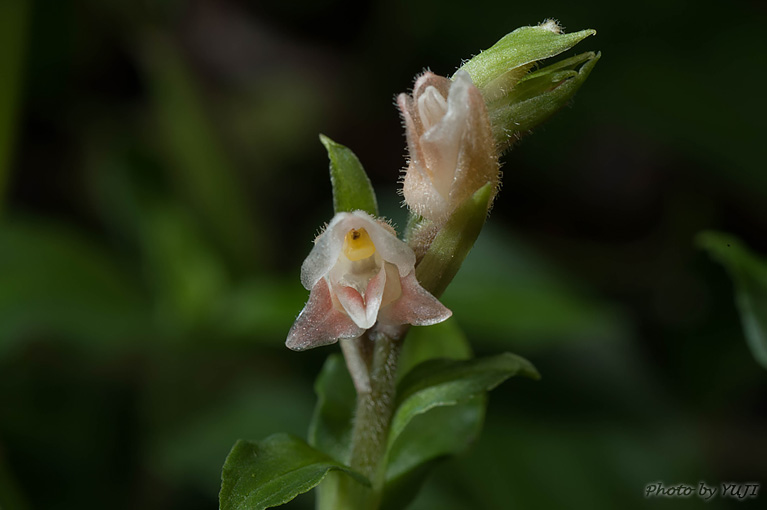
(371, 428)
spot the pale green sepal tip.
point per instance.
(352, 189)
(523, 46)
(454, 241)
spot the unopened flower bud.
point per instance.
(450, 144)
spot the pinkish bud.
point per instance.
(450, 142)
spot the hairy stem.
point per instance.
(371, 428)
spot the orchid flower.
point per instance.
(450, 143)
(360, 274)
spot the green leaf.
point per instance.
(331, 426)
(749, 274)
(412, 457)
(442, 382)
(441, 409)
(453, 242)
(418, 449)
(351, 187)
(522, 47)
(271, 472)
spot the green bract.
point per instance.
(453, 242)
(351, 187)
(518, 100)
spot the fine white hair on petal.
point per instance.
(329, 245)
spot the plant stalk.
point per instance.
(371, 430)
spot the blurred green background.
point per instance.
(161, 181)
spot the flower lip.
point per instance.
(330, 245)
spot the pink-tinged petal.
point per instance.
(416, 306)
(320, 323)
(363, 311)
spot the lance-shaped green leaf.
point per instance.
(538, 96)
(453, 242)
(351, 187)
(749, 274)
(442, 382)
(271, 472)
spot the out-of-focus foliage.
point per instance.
(165, 183)
(749, 273)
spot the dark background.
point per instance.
(163, 181)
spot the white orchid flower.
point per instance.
(360, 274)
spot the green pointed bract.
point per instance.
(524, 46)
(518, 100)
(454, 241)
(352, 190)
(537, 97)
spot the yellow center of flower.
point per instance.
(358, 245)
